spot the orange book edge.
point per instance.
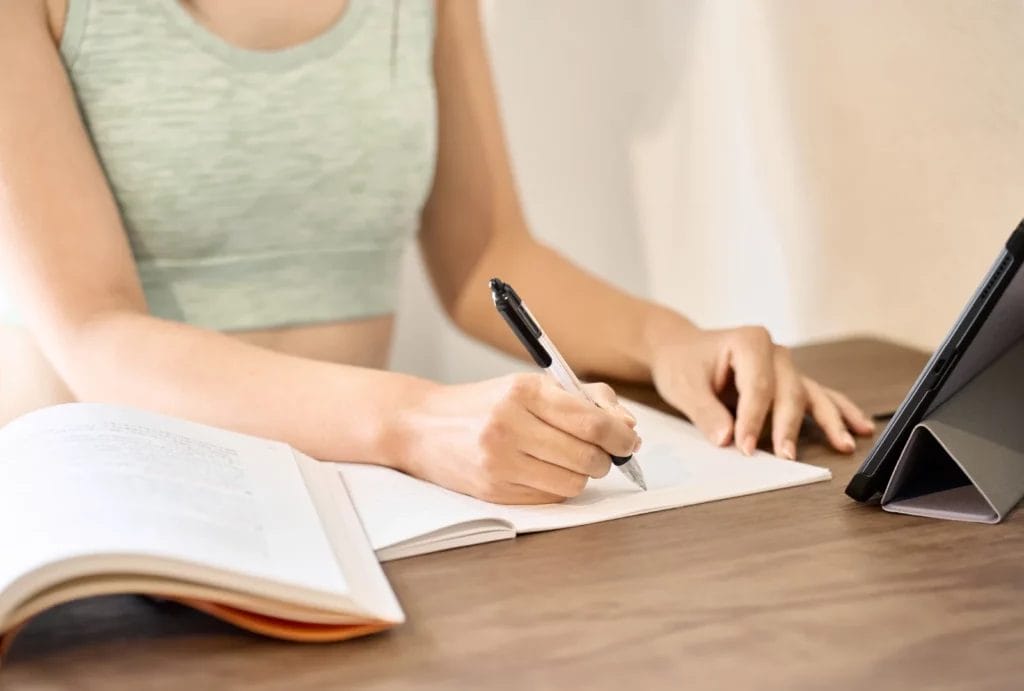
(273, 627)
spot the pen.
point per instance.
(546, 355)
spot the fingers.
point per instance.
(547, 477)
(502, 465)
(554, 446)
(540, 444)
(582, 419)
(753, 364)
(855, 418)
(605, 398)
(705, 410)
(789, 406)
(510, 493)
(695, 380)
(826, 413)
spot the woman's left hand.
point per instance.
(705, 372)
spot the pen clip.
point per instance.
(512, 309)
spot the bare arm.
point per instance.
(473, 228)
(64, 253)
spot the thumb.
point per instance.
(605, 398)
(707, 412)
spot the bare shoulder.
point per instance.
(20, 14)
(56, 12)
(461, 14)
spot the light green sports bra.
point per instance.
(260, 189)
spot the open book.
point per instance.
(404, 516)
(98, 500)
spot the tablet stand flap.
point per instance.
(965, 460)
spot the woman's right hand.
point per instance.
(519, 439)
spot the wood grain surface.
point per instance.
(796, 589)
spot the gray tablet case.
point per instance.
(965, 460)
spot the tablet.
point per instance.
(991, 322)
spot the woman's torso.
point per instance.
(26, 379)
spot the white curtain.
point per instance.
(822, 167)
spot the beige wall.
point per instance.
(911, 122)
(823, 167)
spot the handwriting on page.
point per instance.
(91, 478)
(108, 470)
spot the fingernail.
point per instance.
(638, 444)
(629, 416)
(722, 438)
(788, 450)
(749, 444)
(847, 442)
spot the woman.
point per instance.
(213, 232)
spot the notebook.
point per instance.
(97, 499)
(404, 516)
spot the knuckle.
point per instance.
(760, 385)
(843, 401)
(522, 387)
(576, 485)
(494, 432)
(693, 385)
(703, 409)
(756, 335)
(582, 425)
(826, 415)
(792, 400)
(590, 459)
(591, 426)
(835, 419)
(784, 354)
(816, 399)
(628, 443)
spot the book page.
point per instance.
(396, 507)
(680, 467)
(82, 479)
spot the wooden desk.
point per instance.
(797, 589)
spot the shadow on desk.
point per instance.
(108, 619)
(147, 634)
(796, 589)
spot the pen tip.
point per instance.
(632, 471)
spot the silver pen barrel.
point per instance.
(631, 469)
